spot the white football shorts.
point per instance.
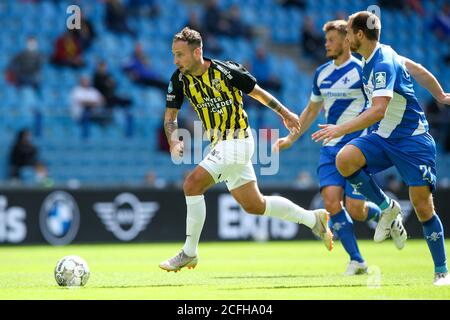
(230, 161)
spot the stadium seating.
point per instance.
(114, 155)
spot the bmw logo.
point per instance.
(59, 218)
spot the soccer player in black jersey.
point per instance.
(215, 88)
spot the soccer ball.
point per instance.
(71, 271)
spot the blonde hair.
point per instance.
(338, 25)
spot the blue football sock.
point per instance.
(434, 235)
(342, 224)
(363, 183)
(373, 214)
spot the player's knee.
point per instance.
(356, 211)
(333, 206)
(191, 186)
(424, 208)
(254, 207)
(347, 161)
(344, 163)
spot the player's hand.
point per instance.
(292, 122)
(444, 99)
(177, 150)
(281, 144)
(327, 132)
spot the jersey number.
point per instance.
(427, 174)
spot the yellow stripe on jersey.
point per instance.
(227, 110)
(218, 105)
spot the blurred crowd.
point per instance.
(95, 95)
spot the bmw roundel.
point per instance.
(59, 218)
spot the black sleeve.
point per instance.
(240, 77)
(175, 95)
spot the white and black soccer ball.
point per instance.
(71, 271)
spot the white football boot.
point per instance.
(388, 215)
(355, 267)
(181, 260)
(321, 228)
(398, 232)
(441, 279)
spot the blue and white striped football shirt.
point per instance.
(340, 89)
(385, 75)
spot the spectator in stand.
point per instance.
(416, 5)
(235, 26)
(151, 180)
(139, 70)
(211, 45)
(296, 4)
(144, 8)
(23, 153)
(312, 41)
(193, 22)
(25, 68)
(441, 23)
(116, 16)
(438, 116)
(304, 181)
(261, 69)
(41, 176)
(392, 4)
(68, 51)
(105, 83)
(88, 105)
(85, 34)
(214, 21)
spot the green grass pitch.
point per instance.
(226, 270)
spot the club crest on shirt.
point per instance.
(216, 84)
(380, 80)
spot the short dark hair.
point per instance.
(192, 37)
(338, 25)
(368, 22)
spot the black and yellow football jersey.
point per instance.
(216, 96)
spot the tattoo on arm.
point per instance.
(275, 105)
(169, 128)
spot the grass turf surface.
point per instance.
(232, 270)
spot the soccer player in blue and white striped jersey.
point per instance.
(401, 138)
(337, 87)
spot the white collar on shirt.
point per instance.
(373, 53)
(344, 64)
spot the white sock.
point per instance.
(285, 209)
(196, 215)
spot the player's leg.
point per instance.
(368, 151)
(195, 185)
(342, 224)
(362, 210)
(415, 159)
(422, 200)
(350, 161)
(332, 190)
(252, 201)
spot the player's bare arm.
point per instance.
(170, 128)
(427, 80)
(364, 120)
(290, 119)
(308, 115)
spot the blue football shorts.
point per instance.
(413, 156)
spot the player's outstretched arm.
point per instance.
(427, 80)
(372, 115)
(170, 128)
(290, 119)
(308, 115)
